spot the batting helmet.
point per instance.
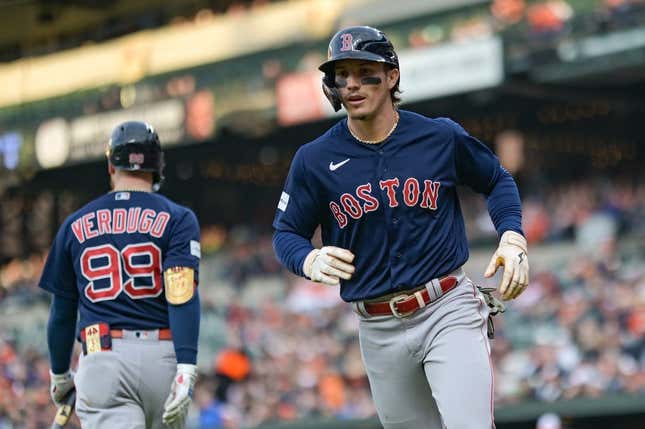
(358, 43)
(135, 146)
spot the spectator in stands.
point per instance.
(508, 12)
(548, 19)
(232, 365)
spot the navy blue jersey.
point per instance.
(111, 255)
(394, 205)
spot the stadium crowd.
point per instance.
(275, 347)
(121, 23)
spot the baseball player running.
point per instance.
(382, 186)
(128, 263)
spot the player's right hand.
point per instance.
(181, 393)
(60, 385)
(328, 265)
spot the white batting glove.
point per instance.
(512, 254)
(60, 385)
(328, 265)
(181, 393)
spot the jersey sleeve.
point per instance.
(479, 168)
(298, 208)
(183, 245)
(476, 165)
(58, 275)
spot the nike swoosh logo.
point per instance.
(334, 167)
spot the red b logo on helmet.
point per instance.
(347, 42)
(136, 158)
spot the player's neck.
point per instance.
(376, 129)
(132, 184)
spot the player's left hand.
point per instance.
(181, 393)
(60, 385)
(511, 254)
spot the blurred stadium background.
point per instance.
(555, 87)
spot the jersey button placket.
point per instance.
(388, 212)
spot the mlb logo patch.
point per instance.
(136, 158)
(284, 201)
(195, 249)
(121, 196)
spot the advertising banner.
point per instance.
(451, 68)
(59, 141)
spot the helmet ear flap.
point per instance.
(331, 92)
(158, 177)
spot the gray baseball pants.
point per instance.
(432, 370)
(126, 387)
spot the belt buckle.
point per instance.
(395, 300)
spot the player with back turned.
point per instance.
(381, 184)
(128, 264)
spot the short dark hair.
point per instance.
(395, 92)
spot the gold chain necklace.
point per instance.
(396, 122)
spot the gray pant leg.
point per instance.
(458, 364)
(105, 395)
(125, 415)
(127, 387)
(431, 370)
(156, 381)
(400, 391)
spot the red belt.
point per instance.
(405, 304)
(101, 336)
(164, 334)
